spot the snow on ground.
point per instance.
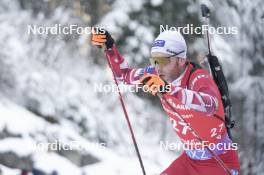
(9, 171)
(30, 129)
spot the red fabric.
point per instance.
(210, 128)
(24, 172)
(186, 166)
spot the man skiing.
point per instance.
(194, 95)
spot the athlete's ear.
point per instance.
(182, 61)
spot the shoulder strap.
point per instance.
(194, 68)
(220, 118)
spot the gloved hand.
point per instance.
(101, 38)
(153, 84)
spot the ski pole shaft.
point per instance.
(127, 118)
(216, 157)
(206, 15)
(208, 37)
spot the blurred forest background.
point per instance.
(47, 84)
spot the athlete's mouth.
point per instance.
(161, 76)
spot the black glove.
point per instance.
(102, 37)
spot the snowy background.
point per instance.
(47, 84)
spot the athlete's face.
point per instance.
(168, 68)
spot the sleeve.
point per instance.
(202, 96)
(123, 72)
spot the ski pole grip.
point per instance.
(205, 11)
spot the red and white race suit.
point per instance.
(197, 103)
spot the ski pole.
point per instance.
(126, 116)
(216, 157)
